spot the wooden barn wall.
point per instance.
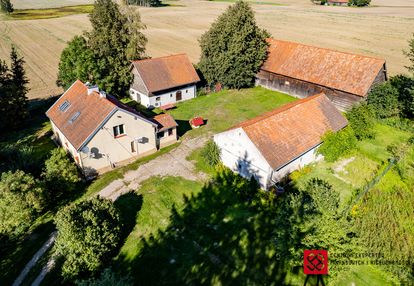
(342, 100)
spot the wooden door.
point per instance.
(178, 95)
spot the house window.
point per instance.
(158, 98)
(133, 147)
(186, 91)
(119, 130)
(170, 132)
(160, 134)
(170, 94)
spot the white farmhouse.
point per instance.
(100, 132)
(163, 81)
(272, 145)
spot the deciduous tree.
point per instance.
(361, 120)
(60, 173)
(115, 40)
(76, 62)
(383, 99)
(21, 198)
(88, 234)
(103, 55)
(234, 48)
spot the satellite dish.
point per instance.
(85, 150)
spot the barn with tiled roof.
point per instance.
(302, 70)
(276, 143)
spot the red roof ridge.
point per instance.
(326, 49)
(276, 111)
(162, 57)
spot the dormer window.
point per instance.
(64, 106)
(119, 130)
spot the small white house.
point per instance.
(163, 81)
(100, 132)
(271, 146)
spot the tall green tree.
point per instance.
(88, 234)
(234, 48)
(76, 62)
(21, 198)
(13, 90)
(103, 55)
(115, 40)
(6, 6)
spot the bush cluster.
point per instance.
(337, 144)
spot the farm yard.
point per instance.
(135, 175)
(161, 207)
(380, 30)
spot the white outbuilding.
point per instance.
(272, 145)
(160, 82)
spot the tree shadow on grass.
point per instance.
(129, 206)
(220, 237)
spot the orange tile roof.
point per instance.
(166, 72)
(165, 121)
(287, 132)
(90, 112)
(333, 69)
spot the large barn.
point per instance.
(272, 145)
(302, 70)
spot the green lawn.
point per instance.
(368, 158)
(364, 276)
(31, 14)
(159, 196)
(226, 108)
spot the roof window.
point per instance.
(74, 117)
(64, 106)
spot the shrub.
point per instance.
(60, 173)
(383, 99)
(398, 150)
(88, 235)
(211, 153)
(21, 198)
(359, 3)
(337, 144)
(108, 277)
(361, 121)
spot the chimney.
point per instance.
(91, 88)
(102, 94)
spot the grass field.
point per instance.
(47, 13)
(363, 165)
(224, 109)
(380, 31)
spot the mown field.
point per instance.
(381, 30)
